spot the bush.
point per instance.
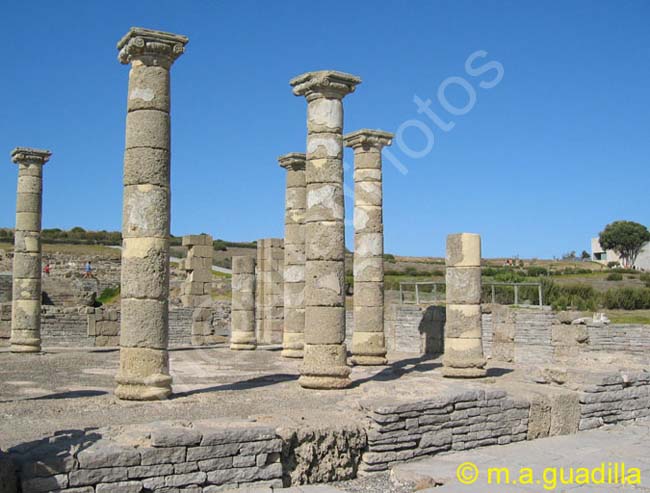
(627, 299)
(536, 271)
(389, 257)
(611, 265)
(615, 276)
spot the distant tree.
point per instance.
(569, 255)
(585, 255)
(77, 229)
(626, 238)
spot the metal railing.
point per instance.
(435, 291)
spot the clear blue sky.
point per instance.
(541, 162)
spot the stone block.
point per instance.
(102, 454)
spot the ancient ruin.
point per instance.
(368, 341)
(242, 417)
(293, 335)
(198, 266)
(463, 344)
(26, 310)
(144, 362)
(242, 334)
(325, 354)
(269, 294)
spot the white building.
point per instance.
(605, 256)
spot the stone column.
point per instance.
(26, 304)
(197, 287)
(270, 302)
(368, 342)
(294, 255)
(325, 355)
(144, 362)
(242, 334)
(463, 339)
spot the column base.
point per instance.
(368, 360)
(325, 367)
(143, 374)
(243, 347)
(243, 341)
(142, 392)
(25, 345)
(292, 353)
(450, 372)
(293, 345)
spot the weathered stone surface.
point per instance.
(107, 455)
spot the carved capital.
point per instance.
(27, 155)
(324, 84)
(151, 47)
(294, 161)
(368, 139)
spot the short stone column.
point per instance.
(26, 302)
(270, 290)
(463, 355)
(144, 361)
(368, 341)
(293, 336)
(242, 334)
(325, 355)
(197, 287)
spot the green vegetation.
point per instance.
(615, 276)
(109, 295)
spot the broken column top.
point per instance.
(157, 47)
(463, 250)
(243, 264)
(194, 240)
(367, 138)
(294, 161)
(29, 155)
(324, 84)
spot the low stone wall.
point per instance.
(154, 457)
(618, 398)
(5, 287)
(460, 421)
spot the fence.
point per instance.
(491, 292)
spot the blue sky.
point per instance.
(541, 162)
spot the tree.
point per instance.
(585, 255)
(626, 238)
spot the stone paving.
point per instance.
(612, 445)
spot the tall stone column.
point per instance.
(325, 355)
(144, 361)
(463, 339)
(26, 304)
(368, 341)
(242, 334)
(293, 336)
(269, 310)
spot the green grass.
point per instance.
(216, 273)
(109, 296)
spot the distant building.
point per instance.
(605, 256)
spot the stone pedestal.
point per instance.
(26, 294)
(293, 336)
(144, 362)
(368, 341)
(269, 310)
(325, 356)
(463, 356)
(197, 287)
(242, 335)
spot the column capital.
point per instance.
(294, 161)
(151, 47)
(324, 84)
(366, 139)
(28, 155)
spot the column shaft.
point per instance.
(144, 360)
(294, 256)
(463, 355)
(26, 301)
(325, 355)
(242, 334)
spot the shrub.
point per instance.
(615, 276)
(389, 257)
(536, 271)
(627, 299)
(611, 265)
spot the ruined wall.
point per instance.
(5, 287)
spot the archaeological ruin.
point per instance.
(274, 371)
